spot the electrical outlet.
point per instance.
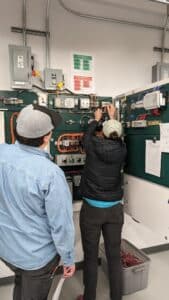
(43, 99)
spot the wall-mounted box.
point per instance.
(20, 67)
(52, 77)
(160, 71)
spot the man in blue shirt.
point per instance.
(36, 225)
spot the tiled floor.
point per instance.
(158, 286)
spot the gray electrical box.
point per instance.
(20, 67)
(52, 77)
(160, 71)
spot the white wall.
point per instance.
(123, 54)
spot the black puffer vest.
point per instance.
(101, 179)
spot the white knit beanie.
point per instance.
(112, 126)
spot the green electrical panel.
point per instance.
(66, 143)
(141, 114)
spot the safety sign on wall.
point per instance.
(82, 77)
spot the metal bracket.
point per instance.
(29, 31)
(159, 49)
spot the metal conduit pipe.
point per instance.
(164, 36)
(163, 40)
(106, 19)
(47, 35)
(24, 22)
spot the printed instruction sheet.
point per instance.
(164, 137)
(153, 158)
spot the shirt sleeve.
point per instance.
(58, 202)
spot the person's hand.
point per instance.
(98, 114)
(68, 271)
(111, 110)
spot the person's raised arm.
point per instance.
(111, 110)
(92, 128)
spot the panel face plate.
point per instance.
(70, 159)
(52, 77)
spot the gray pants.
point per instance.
(34, 285)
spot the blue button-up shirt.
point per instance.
(35, 209)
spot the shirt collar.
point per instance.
(34, 150)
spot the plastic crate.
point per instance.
(135, 278)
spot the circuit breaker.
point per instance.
(20, 67)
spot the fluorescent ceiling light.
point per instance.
(161, 1)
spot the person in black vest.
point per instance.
(102, 209)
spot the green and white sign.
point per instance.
(82, 73)
(82, 62)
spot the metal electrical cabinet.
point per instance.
(160, 71)
(20, 66)
(146, 196)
